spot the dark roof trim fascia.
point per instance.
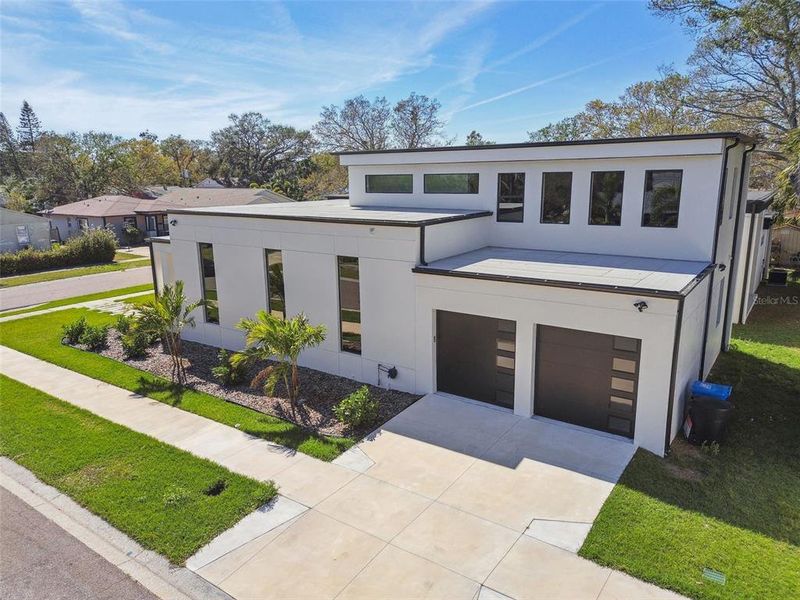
(157, 240)
(593, 287)
(372, 222)
(741, 137)
(758, 206)
(697, 280)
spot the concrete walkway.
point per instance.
(36, 293)
(450, 499)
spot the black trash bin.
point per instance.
(709, 418)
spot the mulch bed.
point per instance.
(319, 391)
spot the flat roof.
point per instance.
(603, 272)
(339, 211)
(656, 138)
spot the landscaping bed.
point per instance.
(319, 392)
(168, 500)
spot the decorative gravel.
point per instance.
(319, 391)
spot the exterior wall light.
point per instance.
(641, 305)
(173, 222)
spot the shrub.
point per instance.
(72, 332)
(90, 247)
(124, 324)
(132, 235)
(94, 337)
(135, 342)
(359, 408)
(228, 372)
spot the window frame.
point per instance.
(339, 262)
(541, 208)
(270, 309)
(522, 200)
(368, 175)
(644, 197)
(591, 198)
(206, 319)
(468, 175)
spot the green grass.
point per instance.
(85, 298)
(153, 492)
(126, 256)
(736, 511)
(40, 336)
(6, 282)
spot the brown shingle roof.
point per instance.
(101, 206)
(203, 197)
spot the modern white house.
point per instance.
(584, 282)
(754, 249)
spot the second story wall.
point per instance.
(699, 164)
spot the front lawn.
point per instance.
(40, 336)
(160, 496)
(736, 511)
(6, 282)
(135, 301)
(85, 298)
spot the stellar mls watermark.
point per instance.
(775, 300)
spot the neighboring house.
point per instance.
(754, 249)
(786, 245)
(20, 230)
(154, 212)
(209, 182)
(114, 212)
(586, 282)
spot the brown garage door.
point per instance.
(587, 379)
(475, 357)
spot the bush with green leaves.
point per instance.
(71, 332)
(124, 324)
(359, 408)
(93, 246)
(135, 342)
(227, 372)
(94, 337)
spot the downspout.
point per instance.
(676, 343)
(743, 301)
(720, 210)
(726, 322)
(422, 246)
(153, 267)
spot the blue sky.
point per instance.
(502, 68)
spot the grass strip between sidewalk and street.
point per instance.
(166, 499)
(7, 282)
(145, 287)
(733, 508)
(40, 336)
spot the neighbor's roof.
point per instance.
(603, 272)
(15, 217)
(340, 211)
(743, 138)
(101, 206)
(202, 197)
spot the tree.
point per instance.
(788, 179)
(358, 125)
(415, 122)
(9, 150)
(326, 176)
(188, 157)
(139, 163)
(746, 64)
(166, 316)
(252, 149)
(270, 338)
(29, 128)
(476, 139)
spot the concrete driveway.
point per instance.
(450, 499)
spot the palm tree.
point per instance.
(269, 337)
(166, 316)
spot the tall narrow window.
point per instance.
(510, 197)
(734, 190)
(556, 197)
(209, 283)
(719, 300)
(662, 198)
(606, 198)
(349, 304)
(276, 297)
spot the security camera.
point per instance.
(641, 305)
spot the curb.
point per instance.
(150, 569)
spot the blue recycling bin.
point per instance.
(713, 390)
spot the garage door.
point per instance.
(475, 357)
(587, 379)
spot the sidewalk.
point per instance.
(301, 478)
